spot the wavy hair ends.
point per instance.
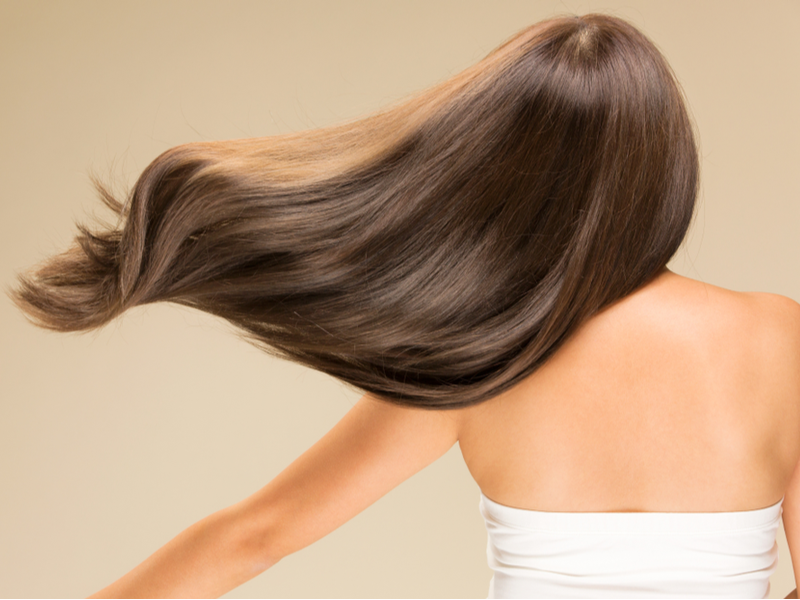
(433, 254)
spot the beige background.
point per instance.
(113, 442)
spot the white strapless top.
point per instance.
(537, 554)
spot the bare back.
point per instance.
(682, 397)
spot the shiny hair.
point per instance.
(434, 253)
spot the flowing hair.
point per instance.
(434, 253)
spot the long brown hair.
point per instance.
(433, 254)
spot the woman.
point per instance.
(487, 261)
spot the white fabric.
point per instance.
(537, 554)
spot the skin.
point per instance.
(682, 397)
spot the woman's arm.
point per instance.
(205, 560)
(791, 524)
(788, 312)
(373, 448)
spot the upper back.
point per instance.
(682, 397)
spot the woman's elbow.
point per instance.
(256, 536)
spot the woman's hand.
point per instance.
(375, 446)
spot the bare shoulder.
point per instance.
(777, 319)
(742, 334)
(771, 315)
(762, 331)
(774, 306)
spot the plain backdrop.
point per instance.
(113, 442)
